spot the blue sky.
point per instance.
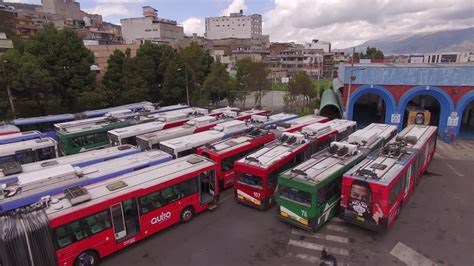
(342, 22)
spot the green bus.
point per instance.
(88, 137)
(308, 194)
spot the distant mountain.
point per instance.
(440, 41)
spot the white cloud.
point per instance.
(121, 1)
(193, 25)
(108, 10)
(234, 7)
(346, 23)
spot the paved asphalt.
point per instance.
(437, 224)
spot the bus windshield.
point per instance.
(295, 195)
(251, 180)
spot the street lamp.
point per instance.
(186, 77)
(10, 98)
(350, 83)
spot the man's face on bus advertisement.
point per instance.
(360, 193)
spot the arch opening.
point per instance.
(369, 108)
(418, 105)
(466, 130)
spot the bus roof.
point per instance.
(8, 128)
(417, 133)
(80, 159)
(225, 109)
(381, 169)
(138, 180)
(370, 133)
(226, 145)
(301, 121)
(43, 119)
(272, 119)
(33, 186)
(132, 106)
(324, 165)
(90, 126)
(276, 150)
(135, 130)
(320, 129)
(20, 136)
(230, 126)
(34, 144)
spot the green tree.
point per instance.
(243, 84)
(300, 85)
(36, 83)
(94, 96)
(217, 83)
(63, 55)
(10, 79)
(113, 76)
(198, 62)
(259, 82)
(154, 60)
(134, 85)
(174, 85)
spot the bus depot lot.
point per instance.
(435, 227)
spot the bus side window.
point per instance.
(167, 195)
(26, 157)
(6, 159)
(272, 180)
(82, 228)
(45, 153)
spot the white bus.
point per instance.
(29, 151)
(182, 146)
(80, 159)
(127, 135)
(195, 125)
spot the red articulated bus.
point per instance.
(374, 191)
(256, 175)
(298, 123)
(100, 219)
(226, 152)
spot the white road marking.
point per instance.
(409, 256)
(454, 170)
(334, 238)
(308, 258)
(337, 220)
(319, 247)
(337, 228)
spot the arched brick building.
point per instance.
(387, 90)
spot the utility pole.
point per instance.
(350, 85)
(10, 98)
(187, 84)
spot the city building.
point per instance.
(103, 52)
(234, 26)
(26, 19)
(237, 26)
(387, 92)
(317, 44)
(442, 58)
(5, 43)
(151, 28)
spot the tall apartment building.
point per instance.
(234, 26)
(151, 28)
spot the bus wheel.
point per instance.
(187, 215)
(87, 258)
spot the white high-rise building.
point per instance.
(234, 26)
(151, 28)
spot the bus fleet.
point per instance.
(125, 173)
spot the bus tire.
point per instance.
(92, 253)
(187, 214)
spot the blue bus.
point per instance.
(44, 124)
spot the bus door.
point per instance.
(207, 187)
(125, 219)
